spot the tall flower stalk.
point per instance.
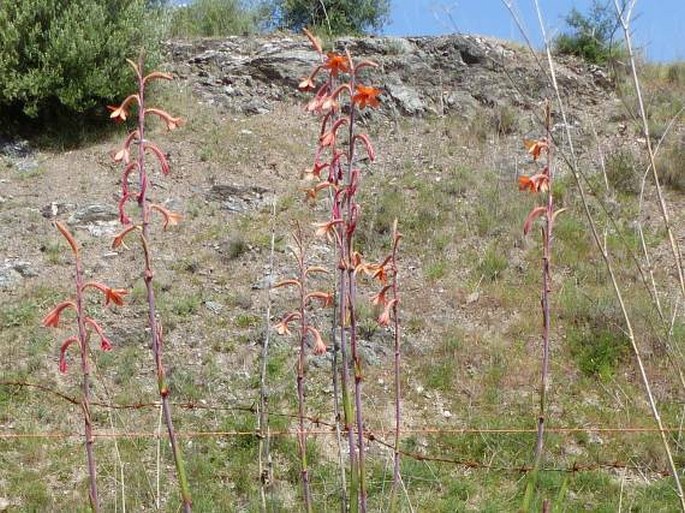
(337, 154)
(137, 144)
(85, 325)
(307, 332)
(541, 182)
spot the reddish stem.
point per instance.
(155, 328)
(85, 372)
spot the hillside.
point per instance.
(454, 111)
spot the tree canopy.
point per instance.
(336, 17)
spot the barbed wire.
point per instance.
(329, 429)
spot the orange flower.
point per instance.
(326, 298)
(336, 63)
(171, 122)
(282, 328)
(51, 320)
(319, 345)
(306, 85)
(115, 296)
(105, 343)
(385, 317)
(535, 183)
(120, 113)
(63, 353)
(366, 96)
(328, 229)
(535, 147)
(170, 218)
(119, 239)
(381, 298)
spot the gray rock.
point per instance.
(214, 306)
(407, 99)
(12, 272)
(372, 353)
(52, 210)
(94, 213)
(236, 198)
(463, 73)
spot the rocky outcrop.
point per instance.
(418, 75)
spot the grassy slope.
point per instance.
(471, 327)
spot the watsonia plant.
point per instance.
(306, 332)
(541, 183)
(133, 156)
(85, 325)
(338, 101)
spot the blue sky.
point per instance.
(659, 28)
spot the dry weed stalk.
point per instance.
(136, 145)
(85, 326)
(265, 462)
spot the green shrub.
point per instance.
(69, 55)
(591, 35)
(211, 18)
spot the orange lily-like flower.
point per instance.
(119, 239)
(115, 296)
(122, 155)
(366, 96)
(319, 345)
(326, 298)
(63, 353)
(328, 138)
(51, 320)
(328, 229)
(535, 147)
(381, 297)
(282, 328)
(385, 317)
(105, 343)
(307, 84)
(535, 183)
(329, 103)
(312, 192)
(170, 218)
(315, 170)
(171, 122)
(120, 113)
(336, 63)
